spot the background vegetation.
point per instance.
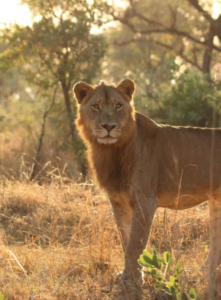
(58, 231)
(170, 49)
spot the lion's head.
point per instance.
(105, 114)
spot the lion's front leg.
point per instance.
(142, 217)
(123, 213)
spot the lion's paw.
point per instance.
(128, 279)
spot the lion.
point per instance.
(143, 165)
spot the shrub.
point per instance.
(166, 278)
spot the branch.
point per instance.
(179, 53)
(48, 65)
(196, 5)
(117, 43)
(174, 16)
(52, 10)
(155, 99)
(172, 31)
(142, 17)
(194, 51)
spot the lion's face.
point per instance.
(105, 112)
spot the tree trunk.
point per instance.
(40, 141)
(208, 51)
(69, 111)
(72, 127)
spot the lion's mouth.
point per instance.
(108, 139)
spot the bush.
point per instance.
(190, 100)
(165, 278)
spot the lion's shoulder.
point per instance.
(146, 126)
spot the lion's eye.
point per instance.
(96, 106)
(118, 106)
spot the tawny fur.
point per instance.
(105, 161)
(148, 166)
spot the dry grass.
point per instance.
(60, 241)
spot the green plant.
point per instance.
(190, 99)
(1, 296)
(165, 278)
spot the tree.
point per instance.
(143, 61)
(58, 48)
(185, 28)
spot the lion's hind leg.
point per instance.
(214, 257)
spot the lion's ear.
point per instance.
(81, 90)
(127, 87)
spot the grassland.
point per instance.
(60, 241)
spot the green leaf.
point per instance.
(2, 296)
(192, 293)
(178, 296)
(147, 272)
(178, 265)
(168, 265)
(172, 279)
(153, 271)
(143, 263)
(147, 253)
(179, 268)
(166, 256)
(161, 285)
(172, 290)
(157, 261)
(147, 256)
(154, 250)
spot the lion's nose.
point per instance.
(108, 127)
